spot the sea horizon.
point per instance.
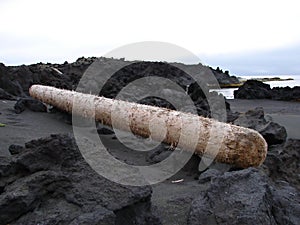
(228, 92)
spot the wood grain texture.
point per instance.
(226, 143)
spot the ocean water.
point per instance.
(228, 92)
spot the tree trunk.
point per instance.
(226, 143)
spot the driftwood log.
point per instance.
(227, 143)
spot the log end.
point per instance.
(249, 150)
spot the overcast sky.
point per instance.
(245, 37)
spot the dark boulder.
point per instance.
(6, 96)
(286, 93)
(283, 162)
(164, 151)
(31, 104)
(104, 131)
(51, 176)
(210, 104)
(253, 89)
(255, 119)
(20, 106)
(224, 78)
(273, 133)
(15, 149)
(8, 84)
(159, 153)
(245, 197)
(208, 175)
(286, 203)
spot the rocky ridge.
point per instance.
(253, 89)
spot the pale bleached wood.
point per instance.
(230, 144)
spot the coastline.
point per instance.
(283, 81)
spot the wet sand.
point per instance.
(21, 128)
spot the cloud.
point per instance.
(280, 61)
(34, 30)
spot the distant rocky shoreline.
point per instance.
(16, 80)
(253, 89)
(242, 81)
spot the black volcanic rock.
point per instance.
(273, 133)
(8, 84)
(6, 96)
(30, 103)
(224, 78)
(245, 197)
(253, 89)
(15, 149)
(16, 80)
(255, 119)
(283, 162)
(49, 182)
(286, 93)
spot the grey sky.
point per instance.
(245, 37)
(278, 61)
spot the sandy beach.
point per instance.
(21, 128)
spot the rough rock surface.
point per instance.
(208, 175)
(6, 96)
(286, 93)
(283, 162)
(50, 183)
(255, 119)
(224, 78)
(253, 89)
(245, 197)
(31, 104)
(16, 80)
(15, 149)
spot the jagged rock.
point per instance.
(105, 131)
(15, 149)
(245, 197)
(286, 93)
(286, 203)
(30, 103)
(158, 154)
(224, 78)
(9, 85)
(16, 80)
(255, 119)
(273, 133)
(50, 175)
(164, 151)
(283, 162)
(6, 96)
(253, 89)
(207, 175)
(216, 102)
